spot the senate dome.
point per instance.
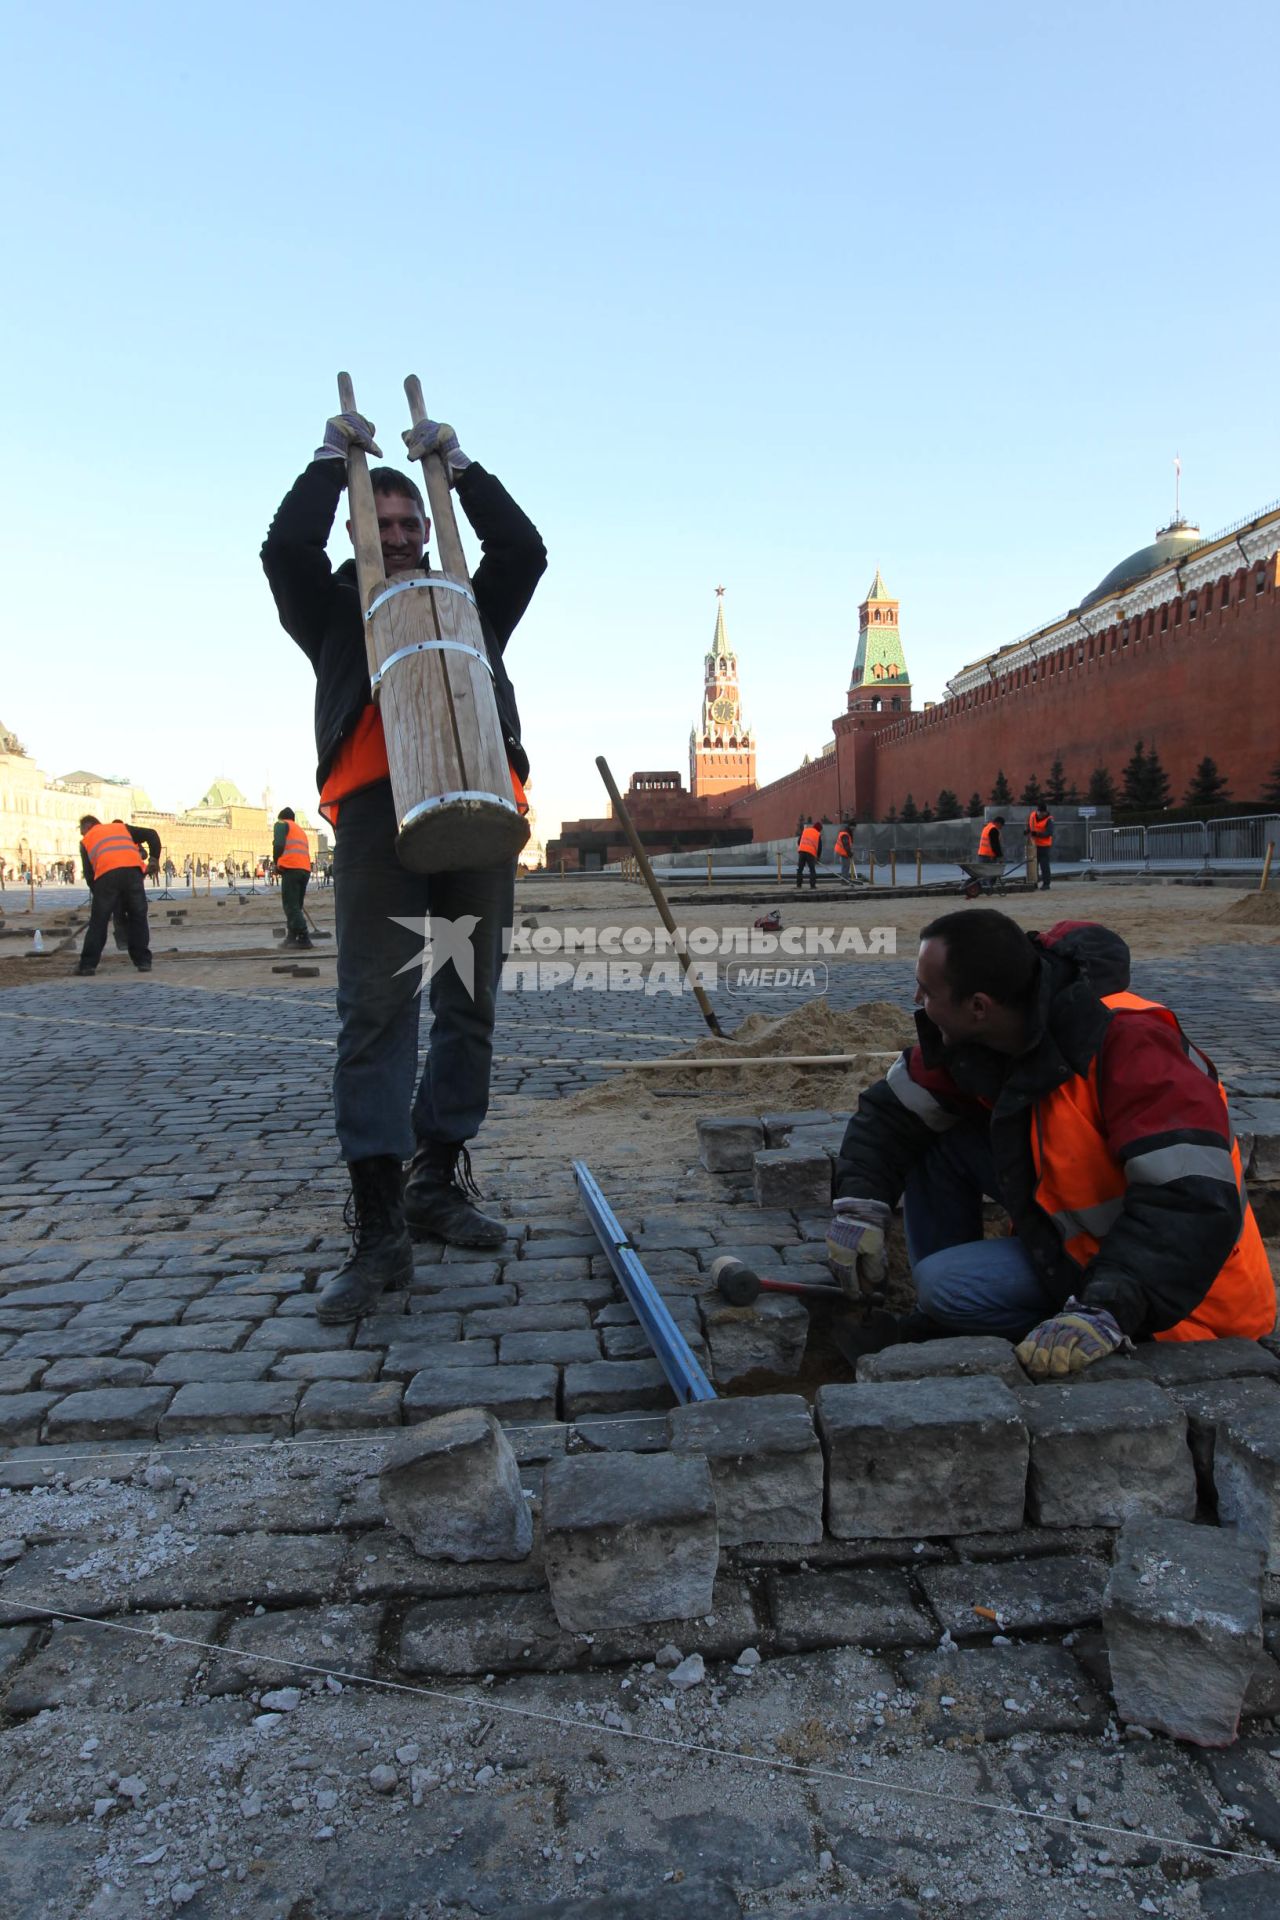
(1171, 544)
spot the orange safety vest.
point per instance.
(1038, 828)
(1081, 1186)
(985, 849)
(295, 853)
(811, 840)
(844, 843)
(361, 761)
(111, 847)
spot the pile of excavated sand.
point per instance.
(1255, 910)
(872, 1033)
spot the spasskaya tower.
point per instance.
(722, 752)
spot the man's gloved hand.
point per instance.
(433, 436)
(153, 869)
(1071, 1341)
(856, 1244)
(344, 431)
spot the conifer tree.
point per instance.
(1102, 788)
(948, 807)
(974, 808)
(1133, 780)
(1032, 794)
(1055, 787)
(910, 811)
(1207, 785)
(1002, 792)
(1271, 792)
(1157, 782)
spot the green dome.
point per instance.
(224, 793)
(1171, 544)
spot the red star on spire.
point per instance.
(719, 593)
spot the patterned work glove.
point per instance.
(433, 436)
(856, 1244)
(344, 431)
(1071, 1341)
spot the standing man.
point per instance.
(291, 856)
(113, 867)
(1040, 834)
(147, 841)
(809, 846)
(382, 1119)
(844, 854)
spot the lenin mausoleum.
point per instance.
(1178, 646)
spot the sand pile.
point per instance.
(1255, 909)
(871, 1033)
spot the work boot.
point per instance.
(438, 1195)
(381, 1252)
(302, 940)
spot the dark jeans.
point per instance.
(120, 891)
(964, 1282)
(809, 860)
(375, 1106)
(293, 891)
(1043, 874)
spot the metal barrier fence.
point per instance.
(1195, 844)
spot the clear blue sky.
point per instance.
(737, 294)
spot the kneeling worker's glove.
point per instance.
(344, 431)
(433, 436)
(1071, 1341)
(856, 1244)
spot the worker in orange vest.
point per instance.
(1040, 834)
(844, 854)
(990, 845)
(809, 846)
(1041, 1081)
(291, 856)
(114, 867)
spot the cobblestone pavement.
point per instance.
(226, 1722)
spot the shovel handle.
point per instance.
(453, 560)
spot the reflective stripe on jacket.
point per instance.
(296, 853)
(110, 847)
(986, 848)
(1081, 1185)
(1040, 827)
(811, 840)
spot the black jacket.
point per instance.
(1157, 1262)
(320, 608)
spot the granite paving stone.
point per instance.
(154, 1343)
(18, 1376)
(512, 1393)
(108, 1413)
(337, 1404)
(230, 1406)
(22, 1415)
(265, 1650)
(351, 1365)
(204, 1368)
(405, 1357)
(975, 1601)
(871, 1607)
(88, 1665)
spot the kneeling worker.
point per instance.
(1040, 1081)
(291, 856)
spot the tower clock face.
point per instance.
(722, 710)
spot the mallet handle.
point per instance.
(453, 560)
(364, 517)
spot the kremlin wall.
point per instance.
(1177, 646)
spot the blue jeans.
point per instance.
(376, 1108)
(965, 1283)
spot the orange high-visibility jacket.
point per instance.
(1081, 1185)
(295, 853)
(110, 847)
(1039, 827)
(844, 843)
(986, 848)
(811, 840)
